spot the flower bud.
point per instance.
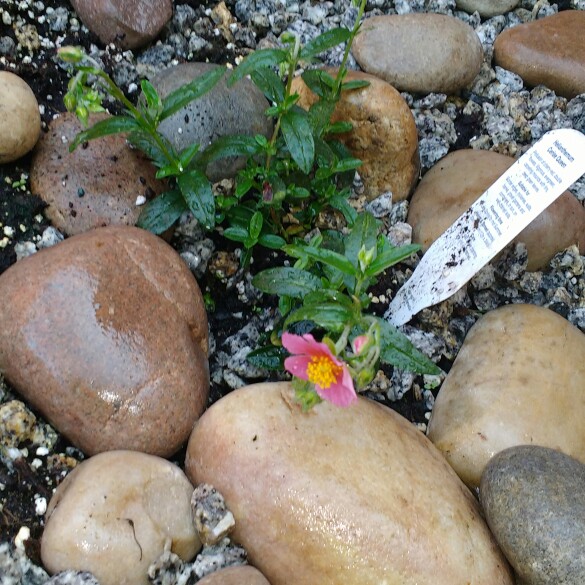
(71, 54)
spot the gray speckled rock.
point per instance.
(487, 8)
(534, 501)
(419, 53)
(220, 112)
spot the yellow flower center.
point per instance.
(322, 371)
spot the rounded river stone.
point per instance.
(129, 24)
(95, 185)
(534, 502)
(106, 335)
(244, 575)
(549, 51)
(222, 111)
(383, 134)
(419, 53)
(487, 8)
(20, 121)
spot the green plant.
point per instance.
(190, 188)
(328, 286)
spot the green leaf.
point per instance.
(355, 84)
(318, 81)
(237, 145)
(284, 280)
(257, 60)
(327, 294)
(329, 257)
(398, 351)
(299, 138)
(191, 91)
(149, 146)
(389, 257)
(347, 164)
(196, 190)
(161, 213)
(268, 357)
(236, 233)
(187, 154)
(324, 41)
(113, 125)
(330, 316)
(342, 204)
(168, 171)
(153, 101)
(269, 83)
(320, 114)
(255, 226)
(364, 233)
(271, 241)
(340, 128)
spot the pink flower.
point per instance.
(358, 343)
(313, 361)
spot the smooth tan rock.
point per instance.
(20, 121)
(95, 185)
(518, 380)
(352, 496)
(419, 52)
(128, 24)
(384, 135)
(459, 179)
(549, 51)
(113, 514)
(235, 576)
(487, 8)
(106, 335)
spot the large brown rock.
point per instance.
(20, 121)
(129, 24)
(518, 380)
(418, 52)
(549, 51)
(384, 135)
(458, 180)
(114, 514)
(235, 576)
(106, 335)
(340, 496)
(95, 185)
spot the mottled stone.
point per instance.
(419, 53)
(115, 513)
(222, 111)
(453, 184)
(487, 8)
(549, 51)
(20, 121)
(534, 501)
(95, 185)
(106, 335)
(384, 135)
(352, 496)
(235, 576)
(517, 380)
(129, 24)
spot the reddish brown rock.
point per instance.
(235, 576)
(549, 51)
(129, 24)
(106, 335)
(95, 185)
(384, 135)
(458, 179)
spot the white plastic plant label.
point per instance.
(526, 189)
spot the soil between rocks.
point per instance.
(33, 477)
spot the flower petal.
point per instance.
(358, 343)
(341, 393)
(297, 365)
(297, 344)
